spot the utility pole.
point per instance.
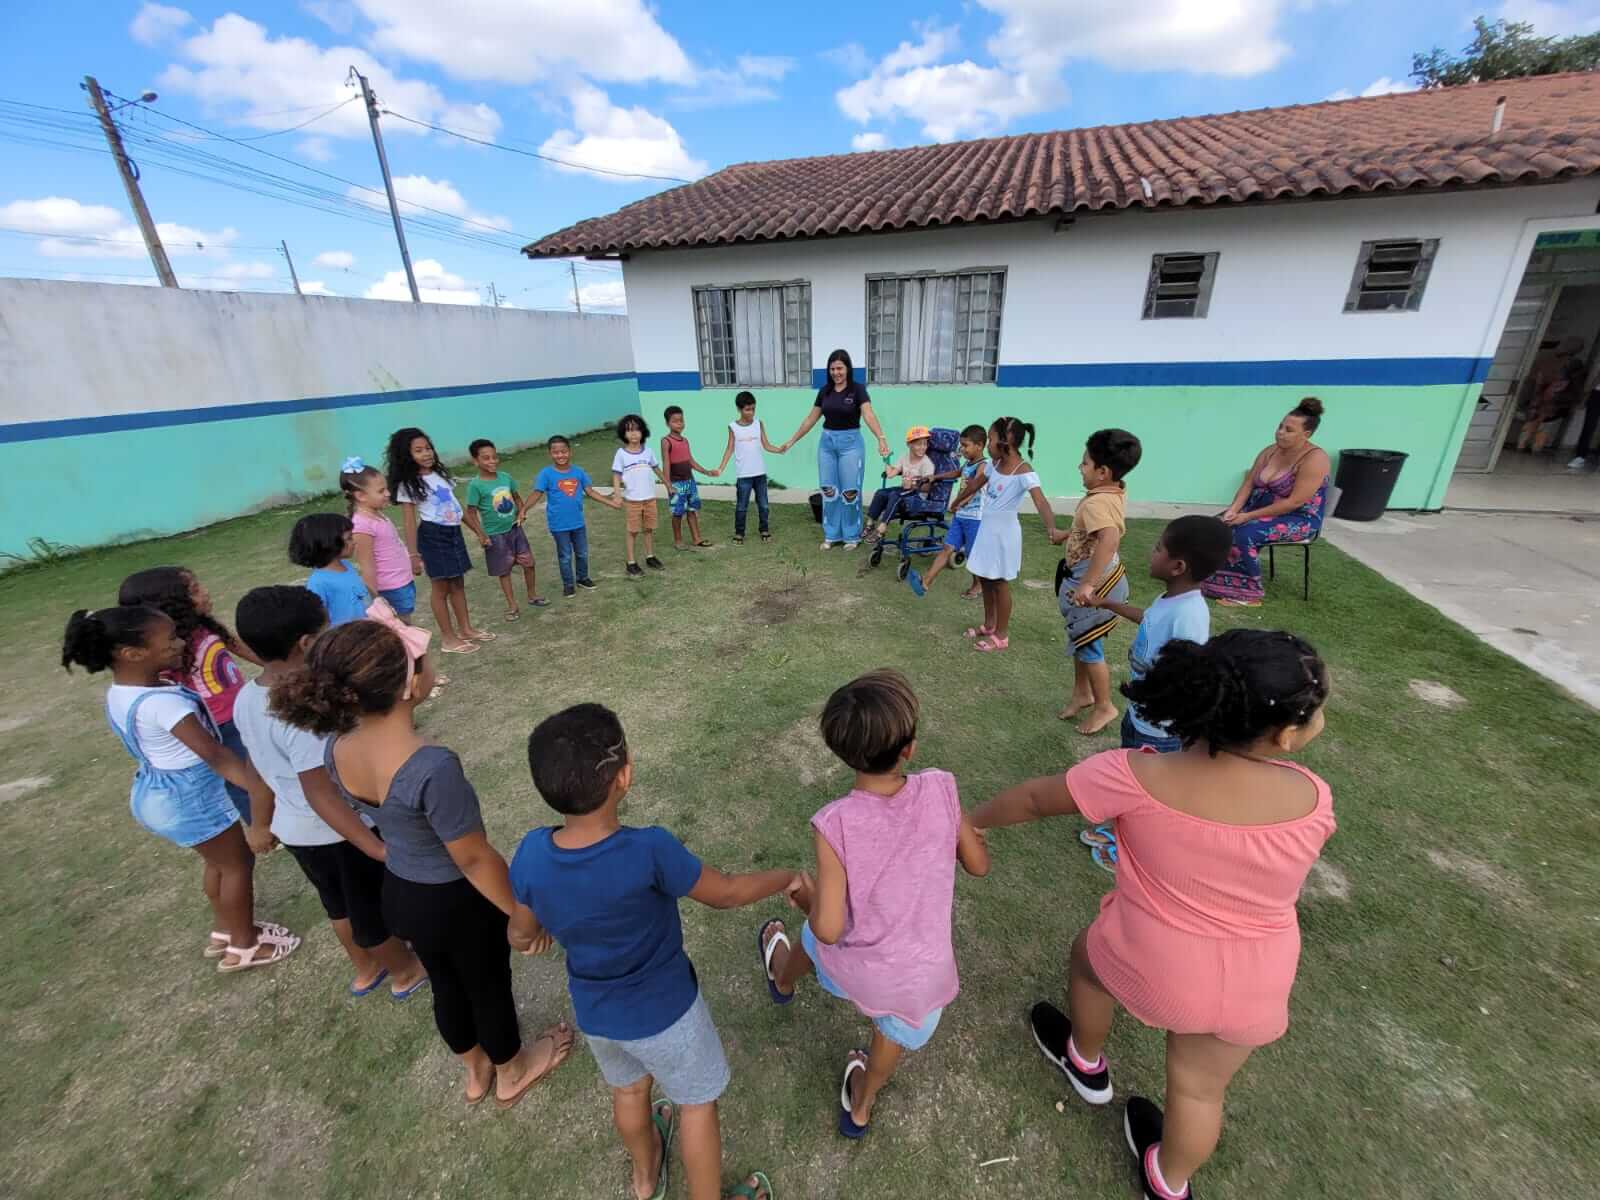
(388, 184)
(130, 180)
(494, 294)
(292, 275)
(576, 302)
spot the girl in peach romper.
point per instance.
(1199, 936)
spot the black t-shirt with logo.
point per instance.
(842, 410)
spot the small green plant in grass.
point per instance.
(40, 552)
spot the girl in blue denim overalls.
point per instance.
(178, 790)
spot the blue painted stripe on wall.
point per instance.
(1314, 372)
(669, 381)
(33, 431)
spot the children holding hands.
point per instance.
(747, 439)
(635, 471)
(683, 494)
(565, 486)
(494, 513)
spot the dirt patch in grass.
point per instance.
(801, 751)
(8, 724)
(1485, 877)
(1431, 691)
(1326, 882)
(21, 787)
(1422, 1066)
(775, 605)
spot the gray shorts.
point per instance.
(686, 1058)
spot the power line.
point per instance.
(550, 158)
(327, 112)
(89, 237)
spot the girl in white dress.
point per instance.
(996, 556)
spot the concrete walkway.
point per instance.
(1526, 584)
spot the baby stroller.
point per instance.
(922, 518)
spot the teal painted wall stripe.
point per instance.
(32, 431)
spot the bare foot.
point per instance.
(399, 984)
(1099, 717)
(780, 956)
(644, 1187)
(1075, 706)
(455, 644)
(364, 980)
(480, 1078)
(859, 1113)
(755, 1188)
(532, 1063)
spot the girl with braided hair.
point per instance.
(1199, 937)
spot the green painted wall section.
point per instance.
(1198, 441)
(113, 487)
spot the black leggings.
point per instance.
(881, 500)
(461, 939)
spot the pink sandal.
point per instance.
(217, 942)
(991, 643)
(269, 948)
(982, 631)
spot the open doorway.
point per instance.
(1522, 449)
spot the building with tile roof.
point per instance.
(1404, 257)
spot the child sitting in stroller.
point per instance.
(917, 473)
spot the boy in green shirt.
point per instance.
(494, 513)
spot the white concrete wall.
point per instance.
(89, 350)
(1075, 296)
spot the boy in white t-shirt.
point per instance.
(747, 438)
(635, 471)
(336, 851)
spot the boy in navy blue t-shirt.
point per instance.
(608, 893)
(565, 486)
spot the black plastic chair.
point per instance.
(1330, 504)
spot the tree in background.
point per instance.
(1506, 50)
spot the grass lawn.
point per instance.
(1444, 1030)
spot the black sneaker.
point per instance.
(587, 584)
(655, 564)
(568, 592)
(633, 571)
(1051, 1029)
(1142, 1123)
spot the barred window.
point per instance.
(1180, 285)
(751, 334)
(1391, 276)
(934, 328)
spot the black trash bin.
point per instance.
(1365, 481)
(816, 507)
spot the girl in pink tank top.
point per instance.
(878, 933)
(1199, 936)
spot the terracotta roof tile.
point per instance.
(1416, 140)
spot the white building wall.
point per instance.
(1075, 295)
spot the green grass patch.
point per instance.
(1444, 1028)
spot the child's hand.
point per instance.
(260, 839)
(1086, 598)
(483, 539)
(799, 891)
(538, 945)
(416, 563)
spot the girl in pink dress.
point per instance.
(1199, 936)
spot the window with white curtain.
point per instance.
(934, 328)
(756, 333)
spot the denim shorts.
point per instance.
(186, 806)
(402, 599)
(1094, 652)
(685, 497)
(901, 1033)
(443, 550)
(963, 533)
(1134, 738)
(686, 1058)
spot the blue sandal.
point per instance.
(371, 987)
(847, 1122)
(764, 949)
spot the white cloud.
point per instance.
(951, 100)
(1202, 37)
(620, 139)
(869, 141)
(1381, 86)
(114, 236)
(338, 260)
(436, 285)
(315, 287)
(751, 80)
(338, 15)
(520, 41)
(851, 58)
(246, 270)
(1551, 19)
(236, 67)
(157, 23)
(608, 295)
(765, 66)
(419, 194)
(316, 149)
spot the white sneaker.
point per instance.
(1578, 463)
(827, 545)
(851, 545)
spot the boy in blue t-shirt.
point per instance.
(565, 486)
(608, 893)
(1188, 552)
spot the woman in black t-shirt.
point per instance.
(841, 405)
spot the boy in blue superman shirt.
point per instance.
(564, 486)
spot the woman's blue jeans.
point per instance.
(841, 463)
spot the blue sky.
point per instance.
(673, 89)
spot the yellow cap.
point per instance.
(917, 431)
